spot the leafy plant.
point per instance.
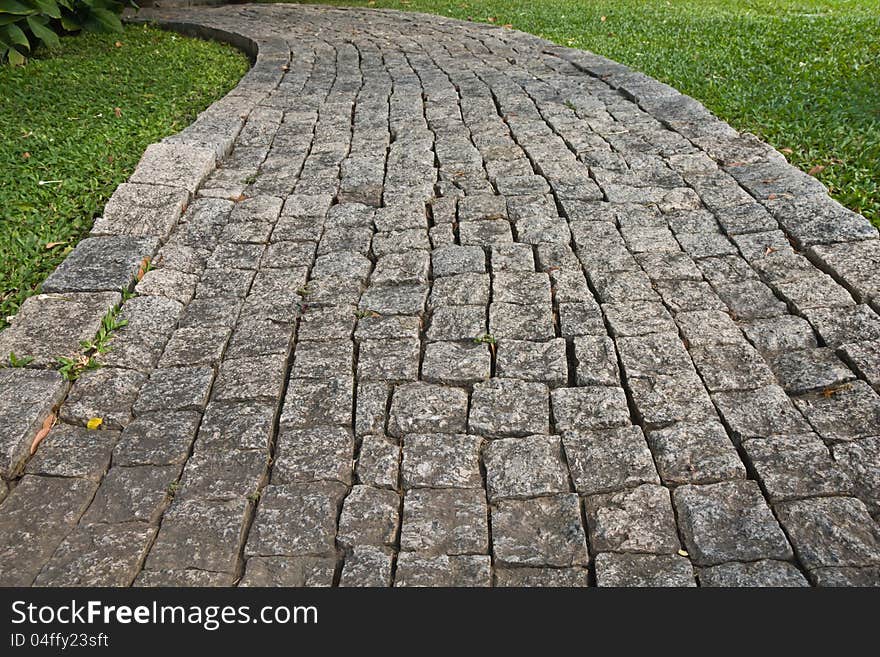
(26, 23)
(71, 368)
(19, 361)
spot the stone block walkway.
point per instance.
(439, 303)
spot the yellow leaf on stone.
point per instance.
(94, 423)
(683, 553)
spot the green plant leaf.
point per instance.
(47, 7)
(15, 7)
(104, 20)
(42, 32)
(15, 36)
(15, 57)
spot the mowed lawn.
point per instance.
(804, 75)
(74, 123)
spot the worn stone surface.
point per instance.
(695, 453)
(101, 264)
(633, 520)
(830, 532)
(542, 531)
(764, 573)
(445, 521)
(509, 407)
(49, 326)
(728, 521)
(441, 461)
(425, 298)
(27, 398)
(643, 570)
(608, 459)
(525, 467)
(35, 518)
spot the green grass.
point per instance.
(804, 75)
(73, 124)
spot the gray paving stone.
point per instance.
(524, 288)
(445, 521)
(222, 475)
(315, 360)
(460, 290)
(780, 334)
(609, 459)
(640, 318)
(456, 363)
(861, 463)
(541, 577)
(512, 257)
(441, 461)
(258, 378)
(101, 264)
(828, 577)
(106, 393)
(856, 262)
(169, 283)
(141, 210)
(414, 569)
(427, 408)
(296, 520)
(831, 532)
(174, 165)
(98, 555)
(160, 438)
(525, 467)
(451, 260)
(37, 515)
(596, 361)
(750, 299)
(728, 521)
(378, 462)
(314, 454)
(848, 412)
(542, 531)
(803, 371)
(633, 520)
(128, 494)
(389, 360)
(731, 367)
(195, 346)
(51, 325)
(643, 570)
(405, 299)
(533, 361)
(183, 577)
(175, 388)
(315, 403)
(580, 319)
(69, 451)
(518, 322)
(366, 566)
(760, 413)
(377, 327)
(590, 407)
(795, 467)
(764, 573)
(695, 453)
(370, 516)
(288, 571)
(864, 358)
(509, 407)
(27, 398)
(838, 326)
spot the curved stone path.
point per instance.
(456, 307)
